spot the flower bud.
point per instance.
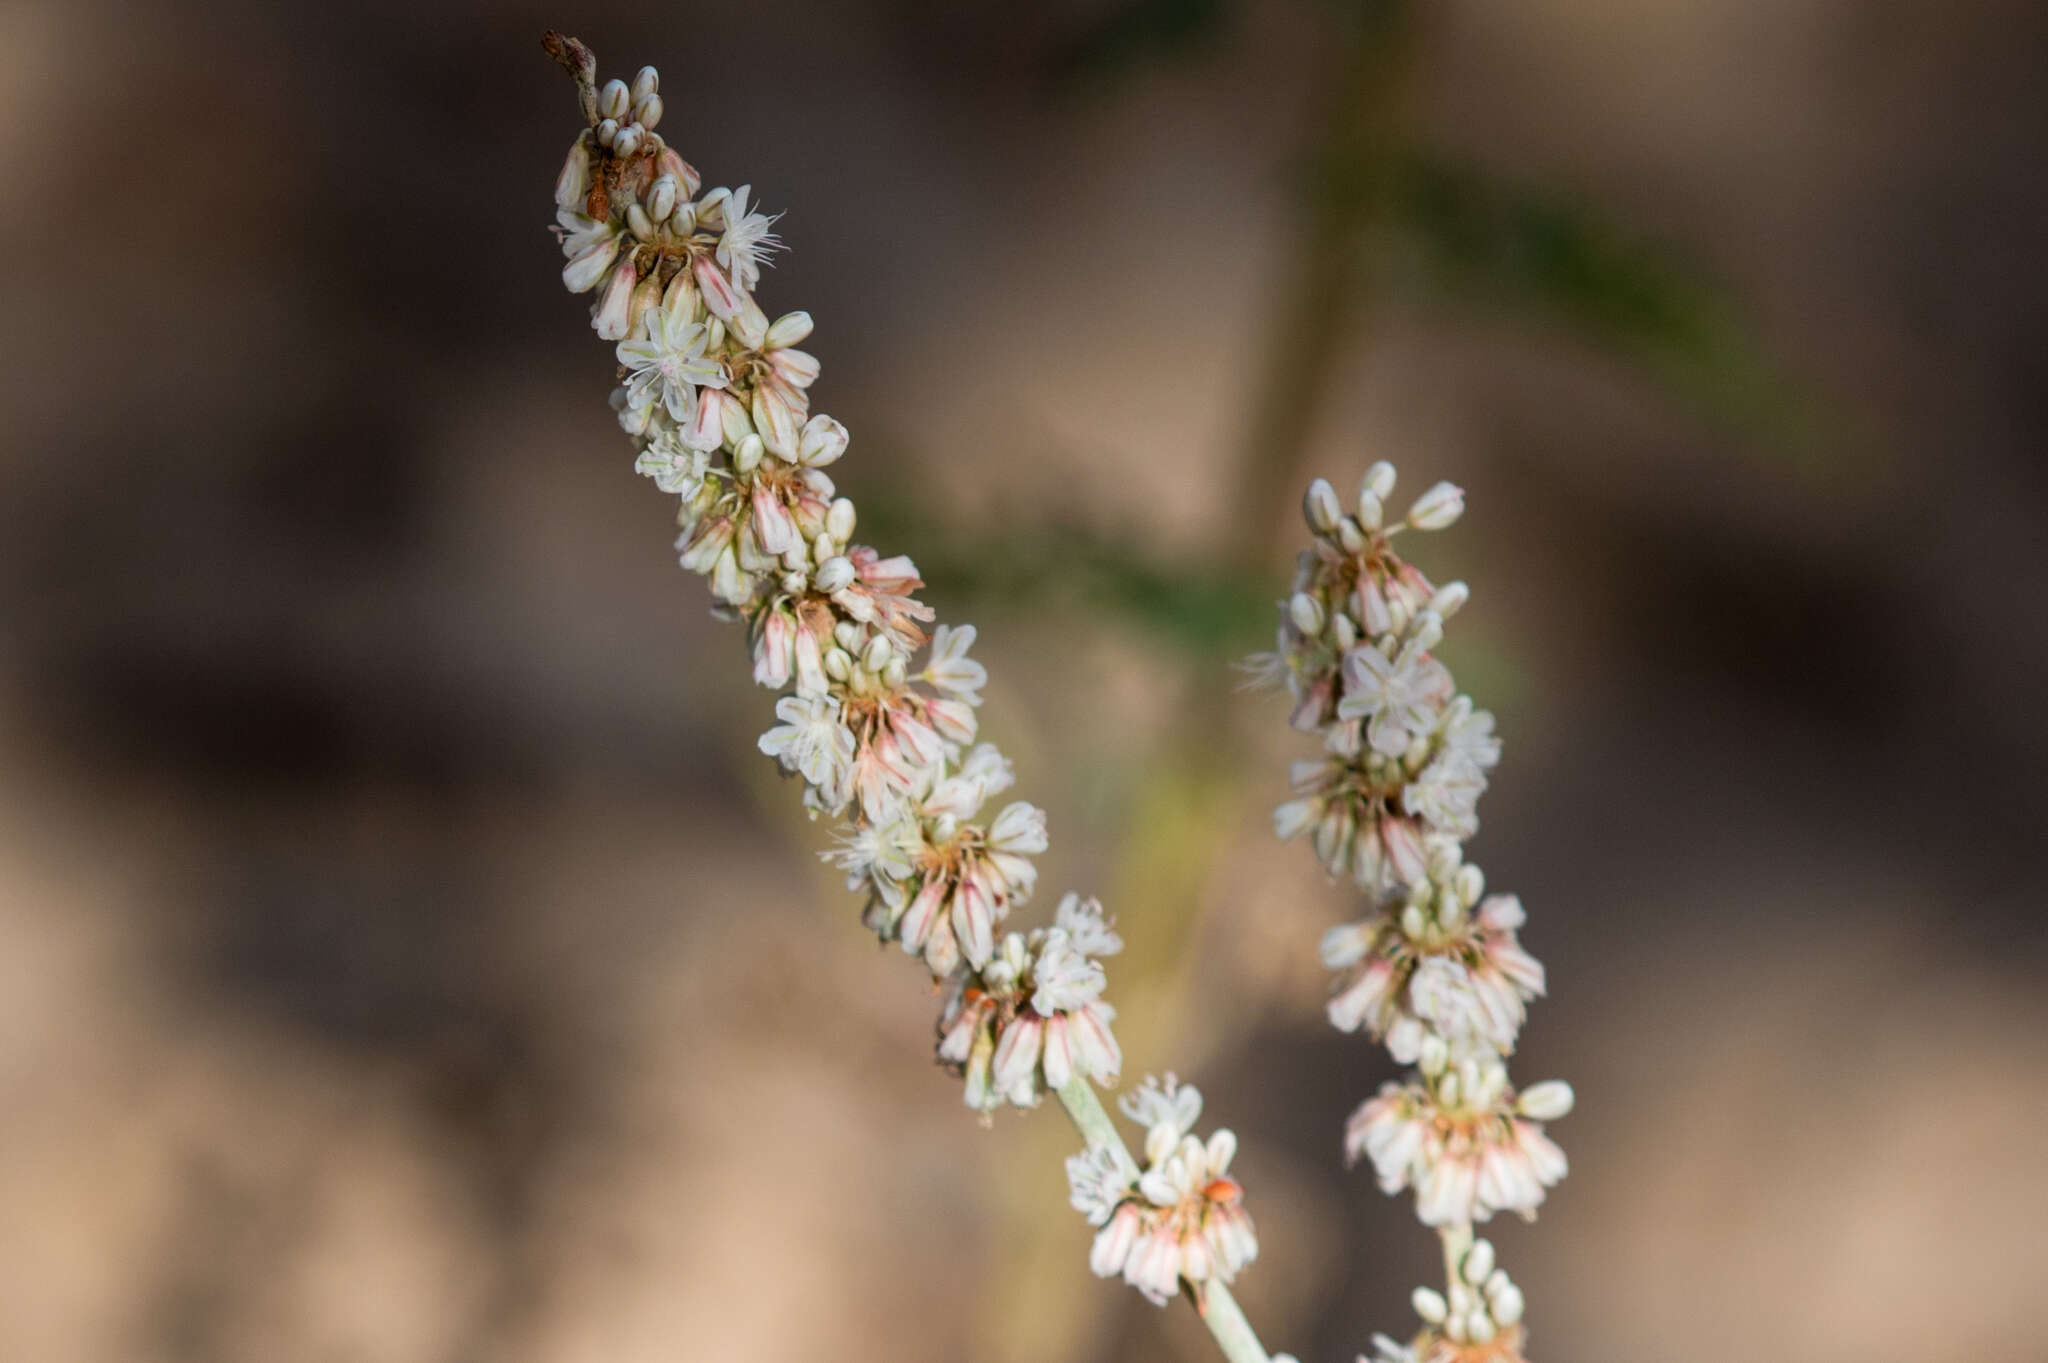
(1379, 479)
(1449, 598)
(838, 664)
(587, 266)
(573, 184)
(1479, 1326)
(1371, 515)
(1319, 507)
(608, 132)
(1471, 884)
(789, 329)
(1307, 614)
(834, 574)
(614, 311)
(1351, 535)
(647, 111)
(1547, 1101)
(1447, 1089)
(1413, 924)
(1438, 507)
(849, 635)
(824, 547)
(1343, 633)
(1436, 1053)
(661, 202)
(613, 99)
(896, 673)
(839, 520)
(646, 83)
(879, 652)
(646, 297)
(1429, 1304)
(639, 222)
(791, 583)
(821, 442)
(628, 140)
(1478, 1262)
(746, 456)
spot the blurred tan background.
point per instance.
(405, 955)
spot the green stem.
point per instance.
(1217, 1308)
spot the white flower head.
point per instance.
(668, 364)
(1095, 1185)
(811, 740)
(747, 240)
(1398, 696)
(950, 670)
(673, 465)
(1163, 1103)
(1083, 922)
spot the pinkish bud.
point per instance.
(612, 317)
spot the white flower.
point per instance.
(1095, 1185)
(811, 740)
(1083, 922)
(949, 669)
(884, 853)
(1066, 979)
(674, 466)
(1165, 1103)
(1398, 696)
(747, 239)
(668, 366)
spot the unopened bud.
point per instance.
(608, 132)
(661, 201)
(1413, 923)
(646, 83)
(1438, 507)
(587, 266)
(1471, 884)
(613, 99)
(1343, 632)
(746, 456)
(795, 559)
(628, 140)
(1429, 1304)
(838, 664)
(1379, 480)
(1449, 598)
(1351, 535)
(821, 441)
(789, 329)
(824, 547)
(1547, 1101)
(1436, 1053)
(1320, 507)
(879, 652)
(1508, 1306)
(639, 222)
(839, 520)
(647, 112)
(849, 635)
(1371, 514)
(1427, 632)
(1447, 1090)
(896, 673)
(1478, 1262)
(1479, 1326)
(573, 184)
(833, 575)
(1307, 613)
(1450, 909)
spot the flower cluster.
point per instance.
(1182, 1217)
(879, 720)
(1435, 970)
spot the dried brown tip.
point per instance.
(581, 64)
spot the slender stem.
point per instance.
(1217, 1308)
(1457, 1240)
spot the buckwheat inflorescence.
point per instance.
(879, 723)
(1434, 970)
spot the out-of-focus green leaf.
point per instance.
(1494, 243)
